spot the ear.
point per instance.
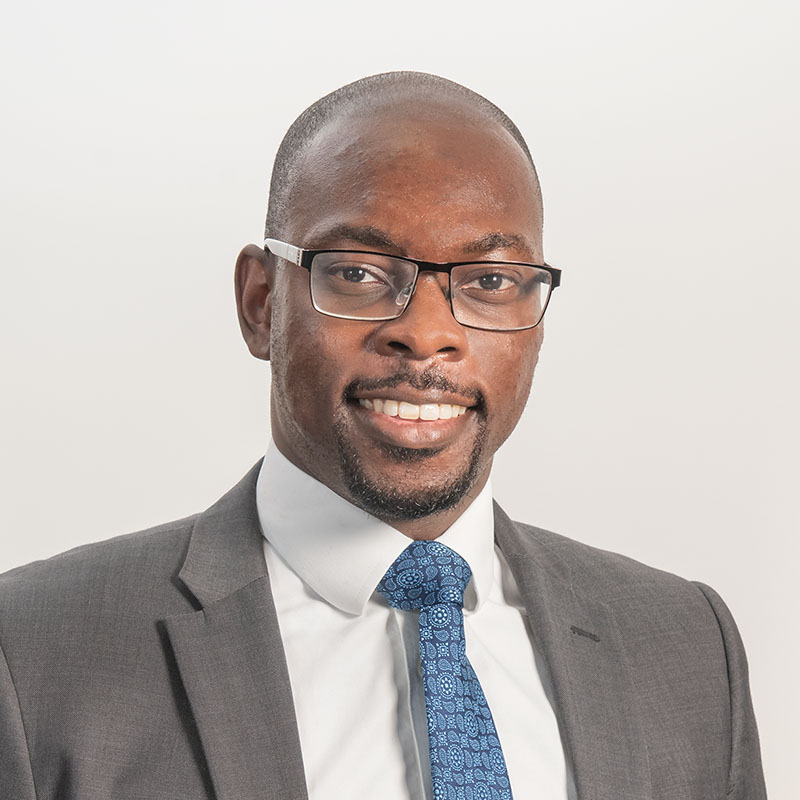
(254, 281)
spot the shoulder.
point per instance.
(134, 570)
(627, 586)
(676, 639)
(609, 572)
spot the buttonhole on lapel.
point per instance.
(580, 632)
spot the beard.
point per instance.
(388, 502)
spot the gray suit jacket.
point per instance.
(151, 666)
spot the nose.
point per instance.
(427, 328)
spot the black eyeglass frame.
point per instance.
(303, 258)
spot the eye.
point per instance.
(355, 275)
(492, 282)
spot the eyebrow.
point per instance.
(498, 241)
(370, 236)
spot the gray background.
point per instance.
(137, 143)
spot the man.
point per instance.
(355, 618)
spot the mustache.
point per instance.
(429, 378)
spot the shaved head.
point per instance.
(389, 93)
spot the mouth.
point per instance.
(404, 417)
(415, 410)
(404, 409)
(403, 424)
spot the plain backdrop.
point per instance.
(137, 141)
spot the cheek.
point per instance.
(310, 362)
(526, 364)
(513, 359)
(294, 351)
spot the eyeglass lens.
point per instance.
(493, 296)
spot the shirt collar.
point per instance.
(341, 552)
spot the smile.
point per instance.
(404, 410)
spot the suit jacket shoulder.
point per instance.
(608, 575)
(652, 656)
(121, 567)
(85, 689)
(149, 665)
(636, 592)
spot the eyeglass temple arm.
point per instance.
(283, 250)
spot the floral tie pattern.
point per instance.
(466, 759)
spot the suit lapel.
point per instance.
(592, 686)
(231, 660)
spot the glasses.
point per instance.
(490, 295)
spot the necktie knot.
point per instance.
(426, 574)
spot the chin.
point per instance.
(413, 485)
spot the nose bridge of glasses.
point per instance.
(406, 282)
(434, 281)
(427, 299)
(424, 325)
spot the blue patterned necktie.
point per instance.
(466, 759)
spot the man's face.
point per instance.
(435, 187)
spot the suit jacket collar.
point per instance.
(232, 665)
(225, 551)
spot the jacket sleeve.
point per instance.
(745, 776)
(16, 774)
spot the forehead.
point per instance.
(428, 174)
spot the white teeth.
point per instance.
(429, 411)
(408, 411)
(426, 411)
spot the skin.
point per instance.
(433, 180)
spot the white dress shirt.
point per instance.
(354, 661)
